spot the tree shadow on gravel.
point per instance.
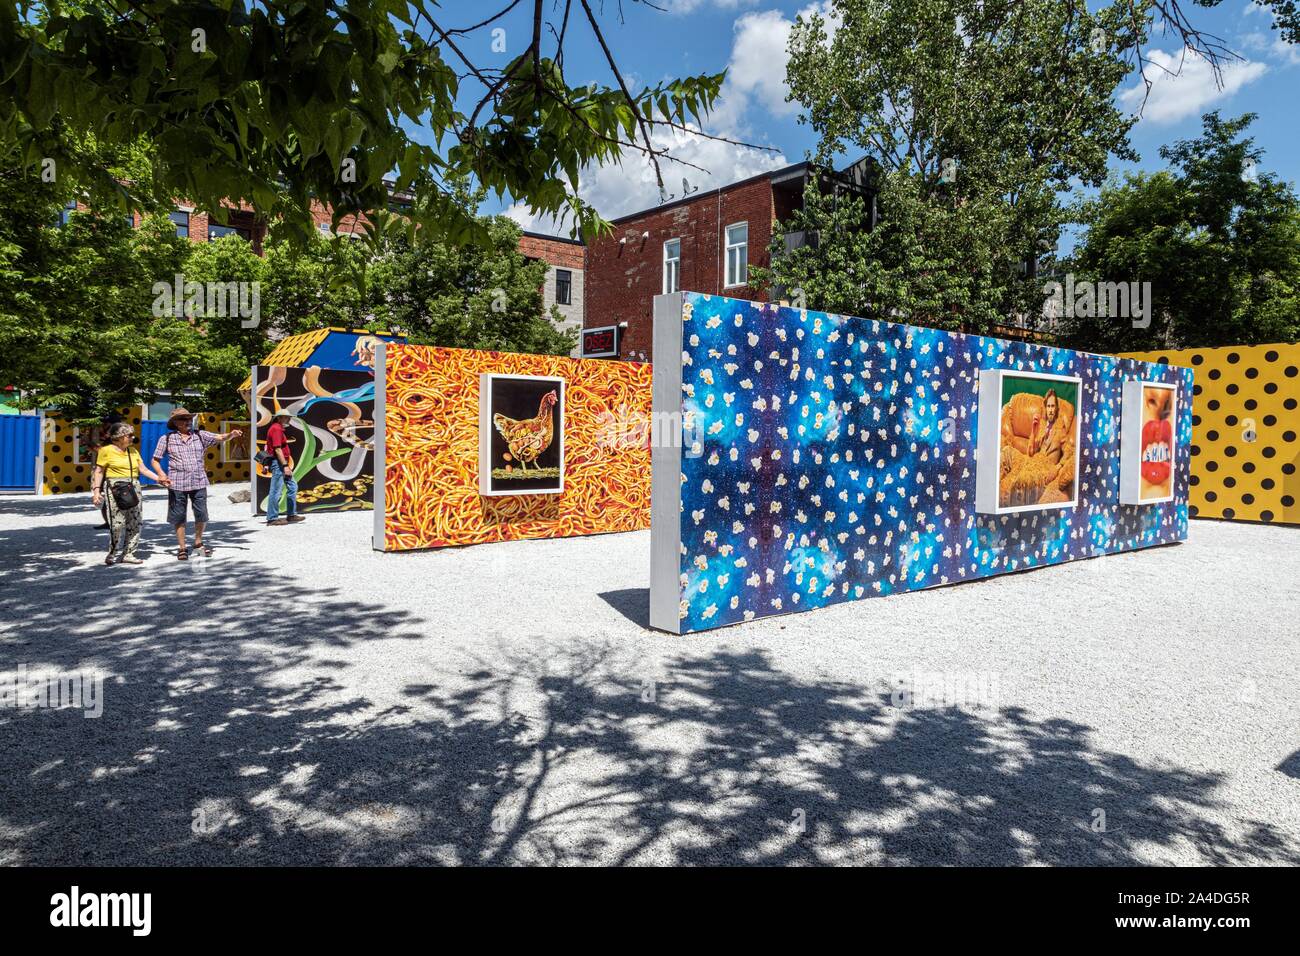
(208, 753)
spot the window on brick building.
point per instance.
(563, 287)
(216, 231)
(182, 220)
(672, 265)
(738, 254)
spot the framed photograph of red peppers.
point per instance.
(1147, 446)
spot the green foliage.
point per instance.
(978, 115)
(88, 312)
(230, 259)
(77, 328)
(284, 102)
(487, 296)
(1219, 244)
(316, 286)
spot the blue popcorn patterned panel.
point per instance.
(837, 461)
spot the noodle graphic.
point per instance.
(431, 488)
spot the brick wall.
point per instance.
(559, 254)
(623, 278)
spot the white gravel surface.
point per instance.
(300, 698)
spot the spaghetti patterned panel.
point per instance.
(431, 488)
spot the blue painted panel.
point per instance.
(150, 432)
(20, 446)
(825, 474)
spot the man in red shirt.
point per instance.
(282, 480)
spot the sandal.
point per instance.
(204, 550)
(182, 555)
(109, 559)
(130, 559)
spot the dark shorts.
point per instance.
(176, 506)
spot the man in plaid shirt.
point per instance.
(185, 450)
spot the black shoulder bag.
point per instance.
(123, 492)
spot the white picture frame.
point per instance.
(988, 470)
(491, 402)
(1132, 424)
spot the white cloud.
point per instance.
(757, 68)
(1183, 84)
(618, 190)
(755, 81)
(1270, 43)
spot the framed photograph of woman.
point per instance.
(1028, 426)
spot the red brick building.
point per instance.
(704, 242)
(243, 221)
(565, 279)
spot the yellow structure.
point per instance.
(1245, 420)
(293, 350)
(68, 465)
(296, 350)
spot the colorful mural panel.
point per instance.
(835, 459)
(330, 433)
(429, 448)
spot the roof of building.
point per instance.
(793, 171)
(543, 236)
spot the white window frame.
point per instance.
(742, 269)
(672, 267)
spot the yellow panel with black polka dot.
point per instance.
(1245, 421)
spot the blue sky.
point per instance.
(747, 37)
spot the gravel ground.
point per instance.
(299, 698)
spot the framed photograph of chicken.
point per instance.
(1146, 443)
(1028, 441)
(520, 435)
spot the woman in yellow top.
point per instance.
(118, 462)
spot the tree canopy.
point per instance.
(277, 103)
(1217, 237)
(81, 327)
(976, 115)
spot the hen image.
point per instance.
(529, 438)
